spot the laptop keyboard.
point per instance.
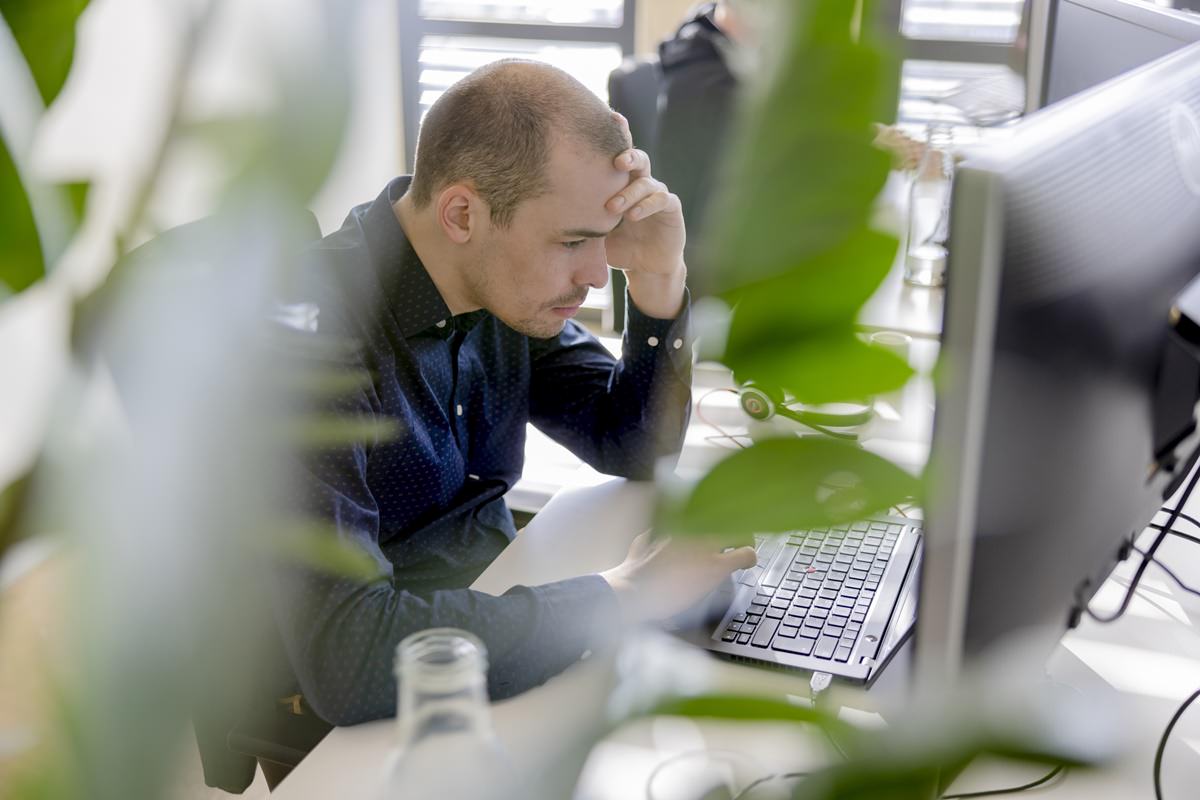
(813, 597)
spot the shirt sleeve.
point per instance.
(618, 415)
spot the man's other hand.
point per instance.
(648, 244)
(664, 577)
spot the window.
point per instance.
(442, 40)
(962, 64)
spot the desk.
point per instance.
(1146, 664)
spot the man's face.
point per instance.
(534, 274)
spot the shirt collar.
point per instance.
(408, 289)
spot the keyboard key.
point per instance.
(823, 602)
(825, 647)
(848, 638)
(753, 618)
(739, 618)
(859, 526)
(775, 613)
(784, 594)
(790, 586)
(780, 602)
(879, 526)
(858, 617)
(795, 620)
(828, 594)
(762, 636)
(743, 638)
(736, 627)
(779, 565)
(854, 583)
(818, 613)
(756, 608)
(853, 628)
(842, 653)
(810, 631)
(729, 636)
(841, 620)
(799, 646)
(788, 631)
(809, 593)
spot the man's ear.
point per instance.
(459, 212)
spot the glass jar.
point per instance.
(929, 210)
(446, 745)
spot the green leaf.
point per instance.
(828, 290)
(21, 260)
(318, 431)
(827, 366)
(77, 195)
(14, 501)
(45, 32)
(318, 545)
(803, 173)
(784, 484)
(750, 707)
(321, 381)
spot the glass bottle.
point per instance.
(929, 210)
(446, 745)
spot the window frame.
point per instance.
(414, 27)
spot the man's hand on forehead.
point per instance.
(643, 195)
(648, 242)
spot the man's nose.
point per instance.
(595, 271)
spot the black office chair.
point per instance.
(633, 90)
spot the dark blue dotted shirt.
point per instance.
(428, 504)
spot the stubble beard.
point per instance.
(481, 283)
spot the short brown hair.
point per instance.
(495, 128)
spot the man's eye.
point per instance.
(574, 244)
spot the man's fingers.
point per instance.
(739, 558)
(634, 193)
(659, 201)
(634, 161)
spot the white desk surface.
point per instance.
(1143, 666)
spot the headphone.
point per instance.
(762, 402)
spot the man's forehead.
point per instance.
(581, 181)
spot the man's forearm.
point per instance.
(658, 294)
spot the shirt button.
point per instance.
(458, 409)
(678, 343)
(441, 323)
(652, 341)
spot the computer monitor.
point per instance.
(1090, 41)
(1069, 243)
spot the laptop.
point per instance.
(838, 599)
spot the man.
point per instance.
(458, 286)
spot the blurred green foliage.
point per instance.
(45, 32)
(796, 258)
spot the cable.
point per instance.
(1147, 557)
(700, 415)
(1170, 573)
(760, 781)
(1049, 776)
(1162, 743)
(1173, 532)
